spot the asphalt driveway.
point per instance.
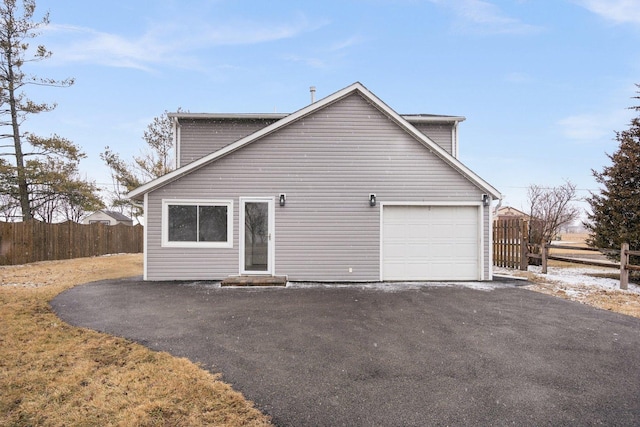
(394, 355)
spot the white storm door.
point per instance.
(256, 235)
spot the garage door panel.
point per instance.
(430, 243)
(442, 231)
(466, 253)
(395, 252)
(418, 230)
(464, 230)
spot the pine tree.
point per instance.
(30, 178)
(615, 211)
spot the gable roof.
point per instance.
(115, 215)
(510, 211)
(309, 109)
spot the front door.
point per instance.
(256, 235)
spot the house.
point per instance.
(345, 189)
(108, 218)
(508, 212)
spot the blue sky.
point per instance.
(543, 84)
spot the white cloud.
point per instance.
(164, 44)
(79, 44)
(592, 127)
(249, 32)
(345, 44)
(485, 17)
(324, 58)
(518, 77)
(619, 11)
(309, 61)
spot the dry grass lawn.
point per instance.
(52, 374)
(622, 302)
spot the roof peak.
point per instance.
(358, 88)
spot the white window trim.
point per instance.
(196, 202)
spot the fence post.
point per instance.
(624, 261)
(543, 253)
(524, 247)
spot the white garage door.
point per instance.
(430, 243)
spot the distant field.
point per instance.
(576, 239)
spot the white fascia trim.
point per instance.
(228, 116)
(481, 240)
(490, 219)
(176, 141)
(427, 203)
(454, 141)
(381, 243)
(145, 239)
(411, 118)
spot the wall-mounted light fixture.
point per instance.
(486, 200)
(372, 199)
(283, 199)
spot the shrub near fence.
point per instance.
(31, 241)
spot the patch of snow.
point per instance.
(581, 276)
(23, 285)
(574, 293)
(401, 286)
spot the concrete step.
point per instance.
(255, 281)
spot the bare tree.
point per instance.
(155, 160)
(9, 208)
(550, 209)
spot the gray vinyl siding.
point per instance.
(440, 133)
(327, 163)
(200, 137)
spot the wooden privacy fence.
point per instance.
(511, 249)
(510, 238)
(31, 241)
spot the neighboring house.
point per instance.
(345, 189)
(507, 212)
(108, 218)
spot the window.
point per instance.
(189, 223)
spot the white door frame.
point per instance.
(271, 239)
